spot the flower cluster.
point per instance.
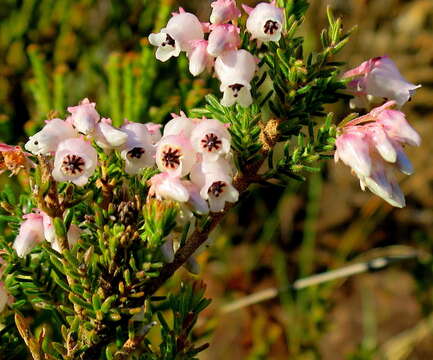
(193, 156)
(234, 67)
(70, 143)
(372, 145)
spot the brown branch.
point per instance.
(268, 138)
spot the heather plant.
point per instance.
(113, 203)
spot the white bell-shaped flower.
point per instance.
(181, 29)
(75, 161)
(107, 136)
(215, 182)
(265, 22)
(30, 234)
(138, 152)
(211, 139)
(46, 141)
(199, 58)
(180, 125)
(175, 155)
(236, 69)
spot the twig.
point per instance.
(376, 264)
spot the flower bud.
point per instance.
(84, 117)
(223, 37)
(224, 11)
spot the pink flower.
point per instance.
(175, 155)
(211, 139)
(354, 150)
(138, 152)
(396, 126)
(224, 11)
(215, 183)
(84, 116)
(198, 204)
(181, 29)
(154, 131)
(180, 125)
(49, 232)
(372, 146)
(108, 137)
(46, 141)
(75, 161)
(223, 37)
(379, 77)
(199, 58)
(236, 69)
(30, 234)
(165, 186)
(265, 22)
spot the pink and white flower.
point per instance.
(379, 77)
(165, 186)
(224, 37)
(107, 136)
(199, 58)
(180, 125)
(198, 204)
(224, 11)
(211, 139)
(372, 146)
(45, 142)
(30, 234)
(75, 161)
(236, 69)
(265, 22)
(138, 152)
(181, 29)
(154, 131)
(175, 155)
(215, 182)
(84, 117)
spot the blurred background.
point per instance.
(53, 53)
